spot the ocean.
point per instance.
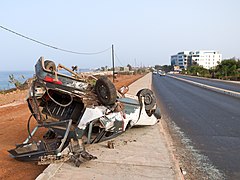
(21, 76)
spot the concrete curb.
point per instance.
(169, 141)
(219, 90)
(50, 171)
(211, 79)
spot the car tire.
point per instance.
(49, 65)
(106, 91)
(149, 98)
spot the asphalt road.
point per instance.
(211, 82)
(210, 119)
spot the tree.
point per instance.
(130, 67)
(167, 68)
(14, 81)
(157, 67)
(197, 70)
(228, 69)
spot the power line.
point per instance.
(54, 47)
(118, 60)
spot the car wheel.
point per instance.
(149, 98)
(105, 91)
(49, 65)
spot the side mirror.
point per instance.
(123, 90)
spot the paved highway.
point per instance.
(210, 119)
(216, 83)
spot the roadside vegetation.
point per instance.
(165, 68)
(228, 69)
(15, 81)
(123, 71)
(19, 83)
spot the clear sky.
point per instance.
(144, 32)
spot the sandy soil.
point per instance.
(125, 80)
(14, 115)
(13, 97)
(13, 130)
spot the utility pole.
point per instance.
(113, 61)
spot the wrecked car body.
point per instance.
(75, 110)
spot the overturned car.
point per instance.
(74, 110)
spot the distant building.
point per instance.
(125, 69)
(180, 59)
(117, 69)
(174, 60)
(207, 59)
(121, 69)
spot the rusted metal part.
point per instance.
(76, 154)
(110, 144)
(77, 76)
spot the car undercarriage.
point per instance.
(74, 110)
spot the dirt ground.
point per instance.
(14, 115)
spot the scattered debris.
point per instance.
(182, 171)
(110, 144)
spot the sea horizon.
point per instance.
(21, 76)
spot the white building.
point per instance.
(207, 58)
